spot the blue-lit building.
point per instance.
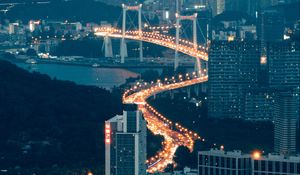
(220, 162)
(125, 143)
(232, 69)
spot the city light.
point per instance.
(107, 134)
(254, 76)
(184, 46)
(256, 154)
(263, 60)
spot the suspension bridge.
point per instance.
(174, 134)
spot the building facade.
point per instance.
(285, 125)
(259, 104)
(270, 26)
(125, 143)
(219, 162)
(276, 164)
(284, 74)
(284, 64)
(232, 69)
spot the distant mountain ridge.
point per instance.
(76, 10)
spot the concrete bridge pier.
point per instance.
(107, 47)
(123, 50)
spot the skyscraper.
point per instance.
(259, 104)
(125, 143)
(284, 72)
(232, 69)
(284, 64)
(247, 6)
(270, 26)
(286, 116)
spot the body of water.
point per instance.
(100, 77)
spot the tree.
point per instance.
(150, 75)
(31, 52)
(182, 154)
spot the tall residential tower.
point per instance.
(125, 143)
(232, 69)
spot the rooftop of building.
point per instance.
(281, 157)
(239, 154)
(218, 152)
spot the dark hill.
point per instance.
(45, 122)
(76, 10)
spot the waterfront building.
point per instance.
(125, 143)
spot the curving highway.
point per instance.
(174, 134)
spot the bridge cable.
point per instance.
(131, 22)
(147, 21)
(204, 38)
(119, 18)
(185, 33)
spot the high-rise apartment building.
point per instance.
(259, 104)
(232, 69)
(125, 143)
(284, 73)
(284, 64)
(286, 116)
(270, 26)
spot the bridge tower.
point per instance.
(193, 18)
(123, 49)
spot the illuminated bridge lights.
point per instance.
(184, 46)
(174, 134)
